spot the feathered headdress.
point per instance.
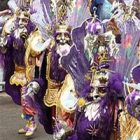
(24, 3)
(60, 9)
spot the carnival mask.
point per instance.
(99, 85)
(63, 34)
(27, 1)
(24, 17)
(63, 39)
(133, 104)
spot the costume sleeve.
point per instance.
(12, 5)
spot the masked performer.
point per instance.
(20, 63)
(128, 25)
(130, 117)
(6, 13)
(60, 94)
(73, 60)
(91, 117)
(55, 74)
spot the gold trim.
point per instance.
(28, 67)
(18, 78)
(51, 83)
(53, 87)
(18, 81)
(5, 30)
(129, 125)
(28, 57)
(88, 7)
(66, 86)
(50, 98)
(34, 37)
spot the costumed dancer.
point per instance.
(55, 74)
(126, 16)
(130, 117)
(21, 61)
(6, 13)
(59, 81)
(72, 52)
(98, 104)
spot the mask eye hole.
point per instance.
(102, 89)
(66, 35)
(58, 35)
(24, 20)
(92, 89)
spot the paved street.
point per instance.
(10, 122)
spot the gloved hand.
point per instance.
(3, 42)
(45, 45)
(32, 88)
